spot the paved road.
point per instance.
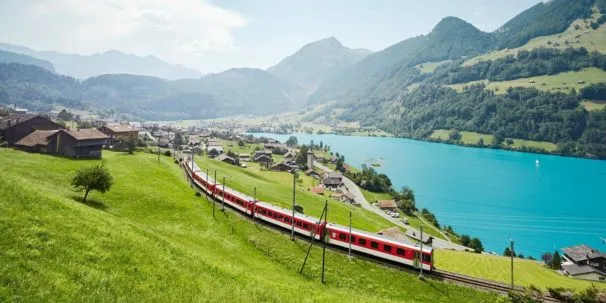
(359, 198)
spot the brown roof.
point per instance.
(582, 252)
(12, 120)
(387, 204)
(336, 195)
(317, 190)
(86, 134)
(122, 128)
(38, 137)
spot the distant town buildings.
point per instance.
(120, 132)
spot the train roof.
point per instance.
(288, 211)
(393, 241)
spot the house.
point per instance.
(317, 190)
(387, 205)
(336, 196)
(227, 159)
(584, 262)
(349, 198)
(80, 143)
(290, 155)
(120, 132)
(332, 180)
(20, 111)
(285, 166)
(312, 173)
(262, 152)
(263, 159)
(271, 146)
(15, 127)
(244, 157)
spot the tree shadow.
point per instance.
(90, 202)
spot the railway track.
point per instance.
(435, 274)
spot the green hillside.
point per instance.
(150, 239)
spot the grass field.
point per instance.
(579, 34)
(498, 268)
(562, 82)
(591, 105)
(473, 138)
(429, 67)
(150, 239)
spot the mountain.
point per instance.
(452, 38)
(243, 91)
(545, 18)
(9, 57)
(111, 62)
(236, 91)
(316, 62)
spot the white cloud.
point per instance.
(169, 29)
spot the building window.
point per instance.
(386, 248)
(374, 244)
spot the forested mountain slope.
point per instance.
(9, 57)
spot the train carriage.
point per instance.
(304, 225)
(235, 199)
(380, 246)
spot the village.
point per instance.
(48, 133)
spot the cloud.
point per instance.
(165, 28)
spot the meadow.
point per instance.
(151, 239)
(471, 138)
(498, 268)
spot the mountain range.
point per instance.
(110, 62)
(385, 89)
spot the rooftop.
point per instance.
(317, 190)
(333, 175)
(14, 119)
(122, 128)
(86, 134)
(582, 252)
(575, 270)
(387, 204)
(38, 137)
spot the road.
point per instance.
(359, 198)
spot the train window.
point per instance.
(400, 252)
(386, 248)
(426, 258)
(353, 239)
(342, 236)
(362, 242)
(374, 244)
(305, 226)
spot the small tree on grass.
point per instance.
(92, 178)
(556, 263)
(131, 144)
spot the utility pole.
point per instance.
(213, 195)
(207, 185)
(223, 201)
(158, 153)
(421, 254)
(324, 239)
(292, 231)
(254, 203)
(350, 233)
(512, 285)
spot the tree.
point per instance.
(93, 178)
(131, 144)
(547, 258)
(476, 244)
(292, 141)
(240, 143)
(454, 135)
(65, 115)
(213, 153)
(508, 252)
(465, 239)
(556, 263)
(178, 140)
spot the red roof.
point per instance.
(317, 190)
(387, 204)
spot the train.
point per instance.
(367, 243)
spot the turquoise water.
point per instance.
(492, 194)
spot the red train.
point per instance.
(361, 241)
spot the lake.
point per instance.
(490, 194)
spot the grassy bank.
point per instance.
(472, 138)
(498, 268)
(150, 239)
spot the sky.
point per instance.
(212, 36)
